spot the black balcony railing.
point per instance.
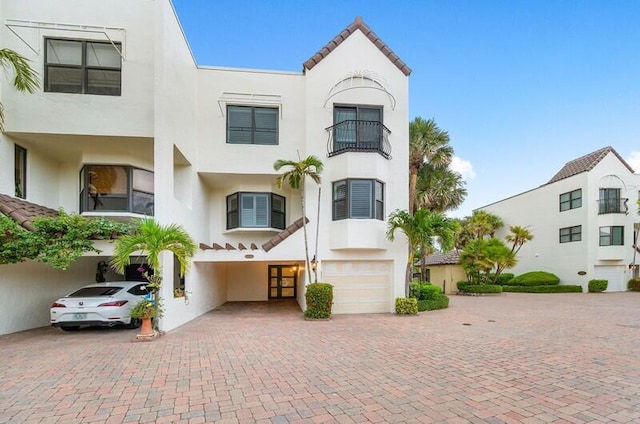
(359, 136)
(606, 206)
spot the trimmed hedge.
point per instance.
(319, 298)
(439, 302)
(534, 278)
(424, 291)
(598, 286)
(634, 284)
(503, 278)
(480, 288)
(543, 289)
(406, 306)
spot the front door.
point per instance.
(282, 281)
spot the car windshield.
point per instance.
(95, 291)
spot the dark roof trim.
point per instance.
(358, 24)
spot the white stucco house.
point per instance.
(584, 221)
(127, 124)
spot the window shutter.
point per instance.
(247, 213)
(232, 211)
(266, 123)
(262, 210)
(339, 200)
(360, 192)
(379, 200)
(239, 125)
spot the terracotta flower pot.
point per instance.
(147, 328)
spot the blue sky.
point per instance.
(522, 87)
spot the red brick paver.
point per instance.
(563, 358)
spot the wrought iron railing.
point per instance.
(606, 206)
(359, 136)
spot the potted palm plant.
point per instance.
(146, 311)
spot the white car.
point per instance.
(100, 304)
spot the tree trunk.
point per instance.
(304, 229)
(413, 181)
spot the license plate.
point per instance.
(79, 316)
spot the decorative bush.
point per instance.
(146, 309)
(543, 289)
(503, 278)
(319, 298)
(424, 291)
(480, 288)
(439, 302)
(406, 306)
(598, 286)
(634, 284)
(461, 285)
(534, 278)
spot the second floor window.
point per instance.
(358, 199)
(569, 234)
(20, 172)
(610, 201)
(88, 67)
(252, 125)
(357, 127)
(255, 210)
(571, 200)
(612, 236)
(116, 188)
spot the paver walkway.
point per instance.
(563, 358)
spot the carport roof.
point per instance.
(22, 211)
(447, 258)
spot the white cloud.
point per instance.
(634, 161)
(465, 168)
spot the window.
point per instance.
(571, 200)
(116, 188)
(20, 172)
(139, 290)
(611, 236)
(255, 210)
(252, 125)
(570, 234)
(359, 199)
(357, 128)
(610, 201)
(88, 67)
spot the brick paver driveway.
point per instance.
(513, 358)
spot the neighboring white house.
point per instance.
(584, 221)
(126, 124)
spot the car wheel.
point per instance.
(70, 328)
(135, 323)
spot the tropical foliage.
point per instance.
(439, 189)
(428, 145)
(422, 230)
(295, 177)
(25, 79)
(57, 241)
(150, 239)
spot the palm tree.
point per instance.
(420, 229)
(518, 236)
(480, 256)
(439, 189)
(295, 177)
(483, 224)
(427, 144)
(26, 79)
(151, 238)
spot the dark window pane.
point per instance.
(143, 203)
(20, 172)
(107, 179)
(64, 80)
(103, 55)
(103, 82)
(108, 203)
(95, 292)
(268, 137)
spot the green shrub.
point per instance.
(481, 288)
(534, 278)
(503, 278)
(414, 289)
(461, 285)
(439, 302)
(598, 286)
(424, 291)
(406, 306)
(543, 289)
(319, 298)
(634, 284)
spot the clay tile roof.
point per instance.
(22, 211)
(282, 235)
(586, 163)
(447, 258)
(204, 246)
(358, 24)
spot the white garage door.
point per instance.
(614, 274)
(359, 286)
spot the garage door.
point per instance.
(614, 274)
(360, 286)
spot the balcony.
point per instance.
(607, 206)
(359, 136)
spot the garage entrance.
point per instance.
(360, 286)
(612, 273)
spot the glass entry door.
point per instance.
(283, 280)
